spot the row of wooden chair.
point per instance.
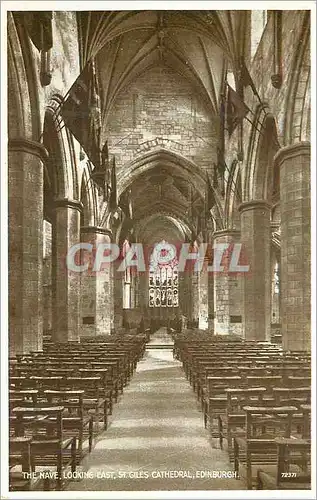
(256, 398)
(59, 399)
(38, 440)
(268, 454)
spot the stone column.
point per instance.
(211, 306)
(127, 289)
(182, 294)
(256, 245)
(136, 290)
(47, 278)
(144, 295)
(96, 287)
(132, 291)
(47, 295)
(275, 294)
(195, 293)
(294, 163)
(111, 296)
(118, 297)
(184, 290)
(227, 289)
(25, 210)
(194, 284)
(203, 297)
(66, 283)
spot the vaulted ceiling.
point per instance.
(197, 45)
(168, 187)
(160, 192)
(165, 227)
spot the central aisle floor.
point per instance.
(156, 426)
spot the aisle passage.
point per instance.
(156, 426)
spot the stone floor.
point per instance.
(157, 426)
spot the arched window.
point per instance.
(163, 276)
(258, 23)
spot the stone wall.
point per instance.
(286, 109)
(161, 110)
(64, 58)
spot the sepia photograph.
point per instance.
(158, 217)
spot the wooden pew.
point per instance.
(44, 425)
(292, 471)
(21, 397)
(257, 449)
(75, 421)
(95, 397)
(215, 400)
(20, 455)
(234, 420)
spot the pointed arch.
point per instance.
(177, 165)
(88, 198)
(297, 103)
(23, 92)
(255, 136)
(59, 142)
(263, 145)
(172, 161)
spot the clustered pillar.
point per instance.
(194, 310)
(91, 303)
(294, 163)
(96, 285)
(25, 161)
(227, 288)
(66, 282)
(203, 297)
(256, 245)
(118, 297)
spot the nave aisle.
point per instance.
(157, 426)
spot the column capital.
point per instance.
(23, 145)
(292, 151)
(67, 203)
(226, 232)
(96, 230)
(254, 204)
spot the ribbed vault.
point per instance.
(159, 226)
(196, 44)
(199, 46)
(165, 186)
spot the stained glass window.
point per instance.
(163, 276)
